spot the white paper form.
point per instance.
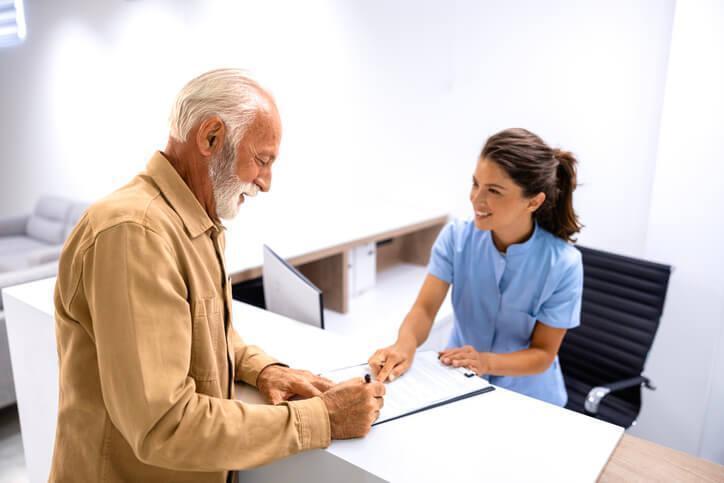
(427, 384)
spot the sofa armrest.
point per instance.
(44, 255)
(17, 277)
(13, 225)
(598, 393)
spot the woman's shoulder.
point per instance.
(561, 253)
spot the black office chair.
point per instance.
(603, 359)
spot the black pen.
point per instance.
(368, 378)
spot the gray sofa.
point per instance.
(29, 249)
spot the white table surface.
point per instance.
(498, 436)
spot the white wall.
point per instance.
(586, 76)
(685, 229)
(377, 98)
(395, 99)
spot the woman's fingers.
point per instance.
(399, 369)
(447, 357)
(392, 361)
(377, 361)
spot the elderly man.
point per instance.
(148, 355)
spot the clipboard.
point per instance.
(428, 384)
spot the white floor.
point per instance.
(375, 316)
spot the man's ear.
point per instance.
(535, 202)
(210, 136)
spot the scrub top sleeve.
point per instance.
(441, 258)
(562, 310)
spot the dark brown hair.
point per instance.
(538, 168)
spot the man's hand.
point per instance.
(353, 406)
(467, 357)
(278, 384)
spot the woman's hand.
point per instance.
(391, 362)
(467, 357)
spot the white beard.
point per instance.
(227, 185)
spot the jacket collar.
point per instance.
(179, 195)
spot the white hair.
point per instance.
(228, 93)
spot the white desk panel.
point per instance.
(498, 436)
(291, 231)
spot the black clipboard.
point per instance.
(356, 370)
(440, 403)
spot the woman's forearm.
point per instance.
(521, 363)
(414, 329)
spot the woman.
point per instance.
(516, 278)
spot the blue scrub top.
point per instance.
(498, 298)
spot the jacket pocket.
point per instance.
(207, 339)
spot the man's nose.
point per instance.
(264, 180)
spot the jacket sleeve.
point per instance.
(141, 324)
(249, 360)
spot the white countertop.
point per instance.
(498, 436)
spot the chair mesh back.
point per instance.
(623, 299)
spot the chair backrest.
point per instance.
(623, 299)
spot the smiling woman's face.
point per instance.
(498, 203)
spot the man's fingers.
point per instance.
(322, 383)
(304, 388)
(275, 397)
(376, 388)
(352, 382)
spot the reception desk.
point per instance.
(498, 436)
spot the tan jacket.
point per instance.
(147, 350)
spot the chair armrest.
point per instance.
(17, 277)
(13, 225)
(598, 393)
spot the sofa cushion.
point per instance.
(47, 223)
(74, 214)
(53, 208)
(45, 230)
(12, 263)
(20, 245)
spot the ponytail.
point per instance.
(537, 168)
(560, 218)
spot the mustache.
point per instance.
(250, 189)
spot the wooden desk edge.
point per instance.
(636, 459)
(255, 272)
